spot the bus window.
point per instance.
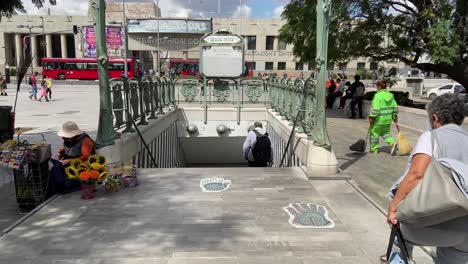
(81, 66)
(70, 66)
(60, 66)
(116, 67)
(49, 66)
(92, 66)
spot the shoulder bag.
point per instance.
(436, 198)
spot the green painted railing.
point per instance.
(252, 91)
(288, 97)
(140, 99)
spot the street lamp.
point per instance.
(30, 27)
(159, 63)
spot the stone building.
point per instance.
(52, 36)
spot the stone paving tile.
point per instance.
(162, 227)
(373, 173)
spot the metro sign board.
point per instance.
(222, 55)
(213, 39)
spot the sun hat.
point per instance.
(69, 129)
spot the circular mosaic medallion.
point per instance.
(214, 184)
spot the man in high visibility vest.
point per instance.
(384, 111)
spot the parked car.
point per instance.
(449, 88)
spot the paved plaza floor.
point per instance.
(168, 219)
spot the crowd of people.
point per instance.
(345, 90)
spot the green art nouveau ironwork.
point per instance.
(320, 134)
(289, 96)
(222, 91)
(140, 99)
(117, 90)
(254, 89)
(106, 133)
(189, 88)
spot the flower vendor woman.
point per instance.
(76, 144)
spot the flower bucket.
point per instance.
(87, 191)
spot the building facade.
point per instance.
(52, 36)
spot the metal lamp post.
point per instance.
(30, 27)
(125, 40)
(106, 133)
(159, 57)
(323, 9)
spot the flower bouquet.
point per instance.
(89, 173)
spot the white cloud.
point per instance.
(63, 7)
(169, 8)
(242, 11)
(278, 11)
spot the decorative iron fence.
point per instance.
(250, 91)
(290, 97)
(166, 150)
(140, 99)
(279, 146)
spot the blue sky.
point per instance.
(178, 8)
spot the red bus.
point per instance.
(190, 67)
(85, 69)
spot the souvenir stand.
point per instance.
(29, 164)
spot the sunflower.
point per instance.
(103, 173)
(75, 163)
(84, 166)
(97, 161)
(72, 173)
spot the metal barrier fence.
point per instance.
(140, 99)
(252, 91)
(279, 146)
(165, 148)
(289, 96)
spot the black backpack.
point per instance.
(30, 81)
(262, 149)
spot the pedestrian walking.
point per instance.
(3, 86)
(384, 111)
(257, 147)
(446, 142)
(358, 90)
(33, 83)
(332, 89)
(48, 85)
(347, 94)
(43, 91)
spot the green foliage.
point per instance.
(365, 74)
(384, 30)
(13, 7)
(446, 47)
(12, 70)
(402, 98)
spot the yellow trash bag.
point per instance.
(404, 146)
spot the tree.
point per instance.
(405, 30)
(12, 7)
